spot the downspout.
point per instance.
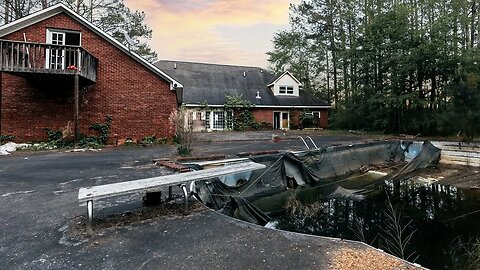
(179, 93)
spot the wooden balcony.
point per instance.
(47, 61)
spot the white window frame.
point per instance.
(50, 32)
(209, 118)
(286, 90)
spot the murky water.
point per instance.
(439, 215)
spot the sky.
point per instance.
(235, 32)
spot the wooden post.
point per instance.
(76, 109)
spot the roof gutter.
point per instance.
(264, 106)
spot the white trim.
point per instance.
(281, 76)
(59, 30)
(286, 90)
(48, 52)
(59, 8)
(263, 106)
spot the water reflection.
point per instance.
(439, 214)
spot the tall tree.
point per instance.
(112, 16)
(387, 65)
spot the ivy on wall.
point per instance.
(243, 118)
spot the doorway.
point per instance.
(62, 57)
(281, 120)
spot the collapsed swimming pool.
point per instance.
(364, 192)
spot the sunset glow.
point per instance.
(235, 32)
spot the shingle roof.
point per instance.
(210, 83)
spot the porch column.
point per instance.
(76, 109)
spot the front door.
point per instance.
(281, 120)
(218, 120)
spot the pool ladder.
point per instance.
(306, 145)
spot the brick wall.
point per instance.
(263, 115)
(324, 118)
(139, 101)
(295, 119)
(266, 115)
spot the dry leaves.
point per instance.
(367, 259)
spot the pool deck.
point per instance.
(41, 219)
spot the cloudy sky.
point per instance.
(237, 32)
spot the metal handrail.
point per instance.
(303, 140)
(310, 138)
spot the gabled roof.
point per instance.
(282, 75)
(210, 83)
(60, 8)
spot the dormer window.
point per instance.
(285, 90)
(285, 85)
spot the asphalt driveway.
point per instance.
(41, 221)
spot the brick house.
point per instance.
(59, 70)
(278, 101)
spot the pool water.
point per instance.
(439, 216)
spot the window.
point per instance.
(285, 90)
(190, 118)
(59, 57)
(207, 120)
(315, 115)
(218, 120)
(229, 119)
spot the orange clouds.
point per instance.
(205, 30)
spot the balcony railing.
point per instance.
(29, 57)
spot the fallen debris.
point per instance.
(173, 166)
(83, 150)
(257, 153)
(11, 147)
(75, 228)
(367, 259)
(203, 158)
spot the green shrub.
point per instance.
(6, 138)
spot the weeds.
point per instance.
(465, 255)
(63, 138)
(103, 130)
(396, 235)
(6, 138)
(152, 140)
(295, 208)
(358, 229)
(183, 131)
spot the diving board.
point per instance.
(89, 194)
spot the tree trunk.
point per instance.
(472, 23)
(7, 10)
(329, 96)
